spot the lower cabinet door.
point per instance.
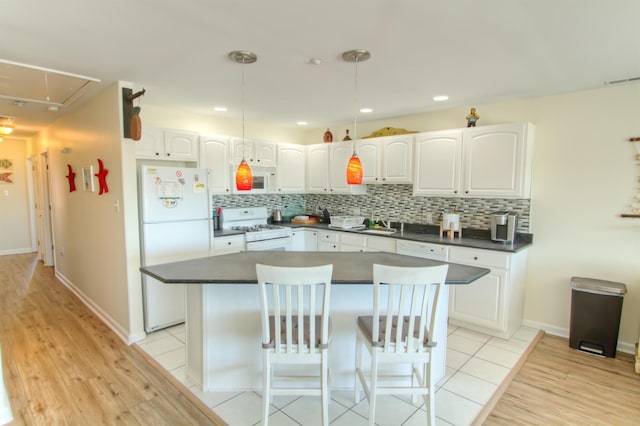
(480, 303)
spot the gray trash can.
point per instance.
(596, 306)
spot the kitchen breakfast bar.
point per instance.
(223, 333)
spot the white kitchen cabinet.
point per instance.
(487, 161)
(438, 163)
(227, 245)
(497, 160)
(304, 240)
(348, 241)
(317, 167)
(255, 152)
(214, 155)
(423, 250)
(492, 304)
(384, 244)
(327, 169)
(386, 160)
(167, 144)
(290, 172)
(339, 154)
(328, 240)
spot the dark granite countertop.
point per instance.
(472, 238)
(348, 267)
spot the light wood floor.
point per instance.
(558, 385)
(63, 366)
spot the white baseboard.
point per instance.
(106, 318)
(625, 347)
(16, 251)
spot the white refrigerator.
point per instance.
(174, 222)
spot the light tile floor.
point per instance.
(476, 365)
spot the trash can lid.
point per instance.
(598, 285)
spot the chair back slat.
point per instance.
(289, 299)
(411, 308)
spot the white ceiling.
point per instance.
(474, 51)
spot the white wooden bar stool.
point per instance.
(408, 300)
(295, 331)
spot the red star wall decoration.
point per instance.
(102, 178)
(72, 178)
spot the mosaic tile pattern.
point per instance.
(388, 202)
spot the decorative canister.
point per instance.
(328, 136)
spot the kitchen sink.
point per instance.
(380, 231)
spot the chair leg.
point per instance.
(266, 388)
(325, 388)
(430, 399)
(356, 384)
(373, 387)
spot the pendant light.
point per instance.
(354, 166)
(244, 179)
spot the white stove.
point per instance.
(259, 235)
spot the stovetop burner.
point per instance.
(257, 228)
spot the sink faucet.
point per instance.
(386, 224)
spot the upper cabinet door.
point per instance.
(397, 159)
(318, 168)
(180, 145)
(214, 155)
(151, 144)
(265, 153)
(242, 148)
(370, 154)
(438, 161)
(290, 172)
(339, 154)
(497, 161)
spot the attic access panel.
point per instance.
(30, 83)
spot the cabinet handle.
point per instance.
(466, 192)
(228, 243)
(475, 257)
(455, 192)
(168, 154)
(157, 154)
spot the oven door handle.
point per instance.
(283, 243)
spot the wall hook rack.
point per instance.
(127, 109)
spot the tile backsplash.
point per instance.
(388, 202)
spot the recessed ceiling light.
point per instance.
(220, 109)
(440, 98)
(315, 61)
(366, 110)
(53, 108)
(302, 123)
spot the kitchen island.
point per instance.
(223, 311)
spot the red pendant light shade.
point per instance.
(354, 170)
(244, 180)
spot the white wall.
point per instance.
(89, 237)
(15, 235)
(585, 176)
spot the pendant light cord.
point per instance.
(355, 103)
(244, 142)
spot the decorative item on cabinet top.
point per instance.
(635, 204)
(389, 131)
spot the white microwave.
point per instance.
(264, 181)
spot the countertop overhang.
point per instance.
(348, 267)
